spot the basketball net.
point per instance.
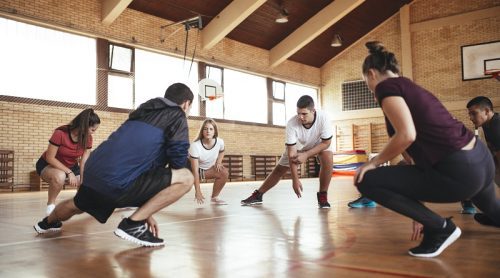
(495, 73)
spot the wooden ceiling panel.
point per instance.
(179, 10)
(263, 29)
(260, 29)
(351, 28)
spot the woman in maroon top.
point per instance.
(69, 147)
(446, 163)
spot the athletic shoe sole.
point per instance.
(452, 238)
(468, 211)
(362, 206)
(251, 204)
(43, 231)
(122, 234)
(324, 207)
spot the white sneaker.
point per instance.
(218, 202)
(50, 208)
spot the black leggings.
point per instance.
(460, 176)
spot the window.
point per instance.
(120, 91)
(279, 113)
(292, 93)
(155, 72)
(278, 90)
(285, 96)
(120, 77)
(46, 64)
(120, 58)
(279, 110)
(245, 97)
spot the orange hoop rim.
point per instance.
(214, 97)
(493, 72)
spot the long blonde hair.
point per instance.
(205, 122)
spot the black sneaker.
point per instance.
(436, 240)
(138, 234)
(254, 199)
(322, 200)
(482, 219)
(44, 226)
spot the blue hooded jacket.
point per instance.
(156, 134)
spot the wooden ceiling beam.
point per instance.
(311, 29)
(227, 20)
(111, 9)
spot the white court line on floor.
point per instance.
(162, 224)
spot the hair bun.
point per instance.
(375, 47)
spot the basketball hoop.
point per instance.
(495, 73)
(213, 97)
(209, 89)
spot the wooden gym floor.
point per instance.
(284, 237)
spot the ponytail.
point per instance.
(379, 59)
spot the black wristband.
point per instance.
(67, 174)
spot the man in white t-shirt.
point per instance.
(307, 134)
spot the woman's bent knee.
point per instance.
(365, 186)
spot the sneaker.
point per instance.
(468, 208)
(218, 202)
(44, 226)
(362, 202)
(322, 200)
(254, 199)
(138, 234)
(436, 240)
(49, 209)
(482, 219)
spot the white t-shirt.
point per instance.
(306, 138)
(206, 157)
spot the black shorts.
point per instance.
(145, 187)
(42, 163)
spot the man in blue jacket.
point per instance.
(141, 165)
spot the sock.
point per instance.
(132, 222)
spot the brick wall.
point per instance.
(436, 57)
(30, 125)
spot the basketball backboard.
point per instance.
(209, 89)
(479, 58)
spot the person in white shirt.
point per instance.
(206, 154)
(307, 134)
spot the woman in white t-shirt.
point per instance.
(206, 154)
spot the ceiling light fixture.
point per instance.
(337, 41)
(282, 16)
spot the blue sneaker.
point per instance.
(468, 208)
(362, 202)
